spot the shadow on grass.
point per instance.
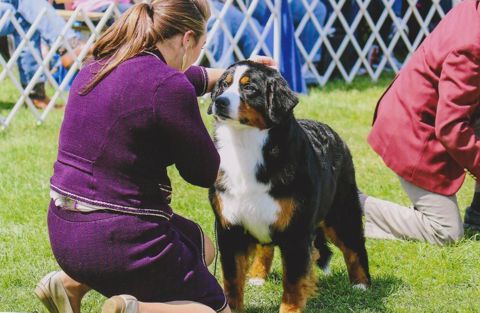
(335, 294)
(6, 107)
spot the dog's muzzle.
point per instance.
(221, 107)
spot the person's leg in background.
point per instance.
(220, 45)
(248, 39)
(8, 28)
(434, 218)
(49, 28)
(26, 63)
(309, 35)
(27, 66)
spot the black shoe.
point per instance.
(471, 221)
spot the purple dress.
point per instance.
(115, 145)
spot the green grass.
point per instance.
(406, 276)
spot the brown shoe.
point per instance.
(39, 97)
(40, 103)
(43, 103)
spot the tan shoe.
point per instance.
(121, 304)
(52, 293)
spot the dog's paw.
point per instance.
(360, 286)
(256, 281)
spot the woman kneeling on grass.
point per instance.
(133, 112)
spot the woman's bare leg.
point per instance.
(176, 307)
(209, 251)
(75, 291)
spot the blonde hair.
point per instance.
(141, 27)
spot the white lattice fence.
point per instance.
(355, 37)
(353, 31)
(94, 29)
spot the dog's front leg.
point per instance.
(234, 250)
(299, 281)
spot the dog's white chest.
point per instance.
(246, 201)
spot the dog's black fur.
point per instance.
(305, 161)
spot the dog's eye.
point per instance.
(224, 84)
(249, 88)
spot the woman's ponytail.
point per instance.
(141, 27)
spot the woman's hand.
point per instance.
(268, 61)
(214, 74)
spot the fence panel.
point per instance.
(46, 64)
(334, 38)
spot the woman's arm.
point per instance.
(187, 140)
(214, 75)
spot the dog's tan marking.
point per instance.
(229, 79)
(295, 295)
(218, 207)
(262, 262)
(285, 215)
(356, 272)
(249, 116)
(235, 288)
(244, 80)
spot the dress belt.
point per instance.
(73, 204)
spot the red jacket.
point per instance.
(423, 123)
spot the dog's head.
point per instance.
(253, 95)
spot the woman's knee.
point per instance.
(209, 250)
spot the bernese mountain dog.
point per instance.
(282, 182)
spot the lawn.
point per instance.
(406, 276)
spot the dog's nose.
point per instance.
(221, 106)
(222, 102)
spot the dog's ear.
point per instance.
(214, 94)
(209, 111)
(280, 98)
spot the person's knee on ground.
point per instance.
(209, 251)
(448, 234)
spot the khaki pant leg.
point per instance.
(435, 218)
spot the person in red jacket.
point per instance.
(424, 130)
